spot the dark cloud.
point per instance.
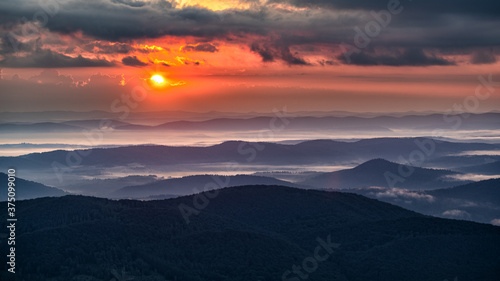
(265, 52)
(133, 61)
(271, 53)
(409, 57)
(423, 24)
(130, 3)
(483, 57)
(107, 48)
(10, 44)
(203, 47)
(45, 58)
(326, 62)
(481, 7)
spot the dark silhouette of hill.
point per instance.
(487, 191)
(28, 189)
(485, 169)
(247, 233)
(382, 173)
(194, 184)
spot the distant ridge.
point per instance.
(380, 172)
(28, 189)
(309, 152)
(194, 184)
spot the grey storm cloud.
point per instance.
(270, 53)
(480, 7)
(483, 57)
(45, 58)
(107, 48)
(203, 47)
(133, 61)
(409, 57)
(423, 24)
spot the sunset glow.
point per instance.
(309, 54)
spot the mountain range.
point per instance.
(247, 233)
(193, 184)
(237, 122)
(477, 201)
(316, 152)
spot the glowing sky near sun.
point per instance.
(247, 55)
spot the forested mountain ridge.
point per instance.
(247, 233)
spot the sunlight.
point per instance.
(158, 79)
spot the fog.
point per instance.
(84, 139)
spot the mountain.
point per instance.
(103, 187)
(484, 169)
(97, 123)
(482, 192)
(193, 184)
(28, 189)
(463, 163)
(258, 121)
(38, 127)
(478, 201)
(247, 233)
(486, 121)
(305, 153)
(261, 122)
(383, 173)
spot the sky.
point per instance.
(248, 55)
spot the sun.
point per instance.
(157, 79)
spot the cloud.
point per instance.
(45, 58)
(52, 76)
(133, 61)
(465, 7)
(482, 57)
(326, 62)
(130, 3)
(495, 222)
(271, 53)
(100, 47)
(460, 25)
(456, 214)
(403, 194)
(471, 177)
(10, 44)
(203, 47)
(409, 57)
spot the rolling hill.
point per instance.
(28, 189)
(492, 168)
(248, 233)
(193, 184)
(477, 201)
(383, 173)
